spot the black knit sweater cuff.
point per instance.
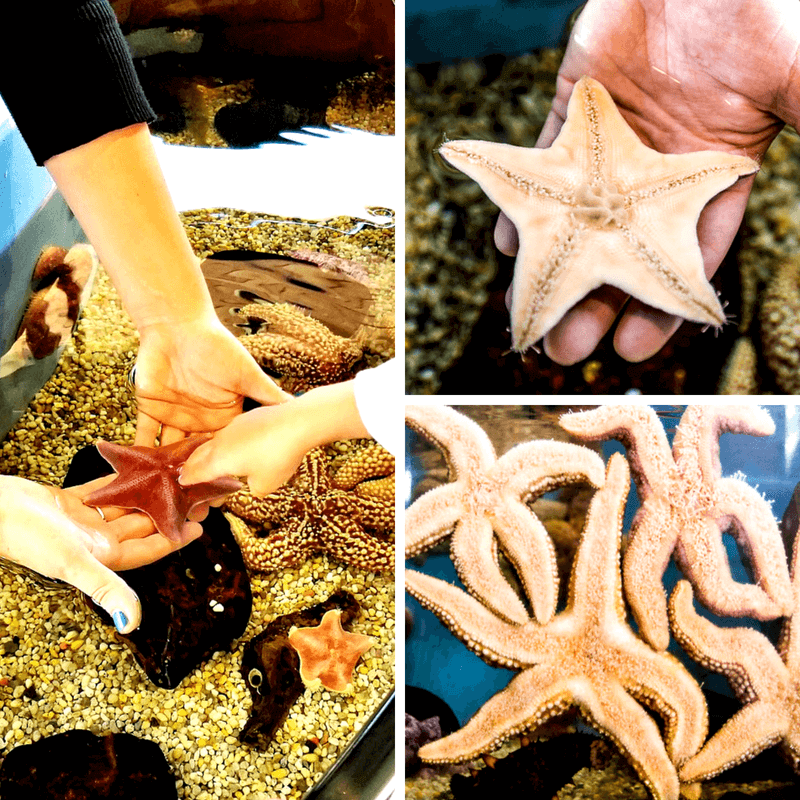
(85, 84)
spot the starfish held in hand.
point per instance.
(147, 480)
(600, 207)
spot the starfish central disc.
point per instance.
(600, 205)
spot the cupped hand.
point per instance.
(687, 75)
(51, 531)
(193, 377)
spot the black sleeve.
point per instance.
(66, 74)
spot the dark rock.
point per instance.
(419, 732)
(271, 667)
(536, 771)
(77, 765)
(180, 628)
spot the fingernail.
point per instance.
(120, 621)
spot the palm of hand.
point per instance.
(683, 86)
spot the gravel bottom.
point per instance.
(60, 668)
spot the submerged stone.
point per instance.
(194, 602)
(271, 667)
(77, 765)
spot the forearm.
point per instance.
(328, 413)
(115, 187)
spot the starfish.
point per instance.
(586, 656)
(298, 347)
(597, 207)
(686, 506)
(489, 495)
(766, 682)
(371, 463)
(147, 480)
(328, 653)
(309, 514)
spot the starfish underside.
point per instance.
(686, 506)
(600, 207)
(309, 514)
(586, 656)
(485, 508)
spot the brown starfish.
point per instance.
(297, 347)
(599, 207)
(586, 656)
(147, 480)
(309, 515)
(328, 653)
(686, 507)
(485, 507)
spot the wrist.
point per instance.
(329, 413)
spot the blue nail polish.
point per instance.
(120, 620)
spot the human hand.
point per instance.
(51, 531)
(266, 445)
(687, 75)
(192, 376)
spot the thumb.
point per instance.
(107, 589)
(201, 466)
(255, 383)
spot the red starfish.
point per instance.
(147, 480)
(328, 653)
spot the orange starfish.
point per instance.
(328, 653)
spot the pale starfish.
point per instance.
(768, 685)
(328, 653)
(686, 506)
(488, 496)
(309, 514)
(586, 656)
(599, 207)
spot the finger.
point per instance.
(147, 428)
(202, 466)
(133, 525)
(199, 512)
(106, 588)
(580, 330)
(256, 384)
(506, 239)
(140, 552)
(643, 331)
(170, 435)
(85, 489)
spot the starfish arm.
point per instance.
(746, 657)
(751, 730)
(524, 472)
(529, 548)
(473, 552)
(650, 544)
(529, 700)
(661, 682)
(465, 446)
(431, 517)
(280, 549)
(675, 281)
(696, 442)
(702, 557)
(639, 429)
(494, 640)
(544, 287)
(595, 584)
(632, 729)
(757, 531)
(345, 539)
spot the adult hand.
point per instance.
(193, 376)
(51, 531)
(687, 75)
